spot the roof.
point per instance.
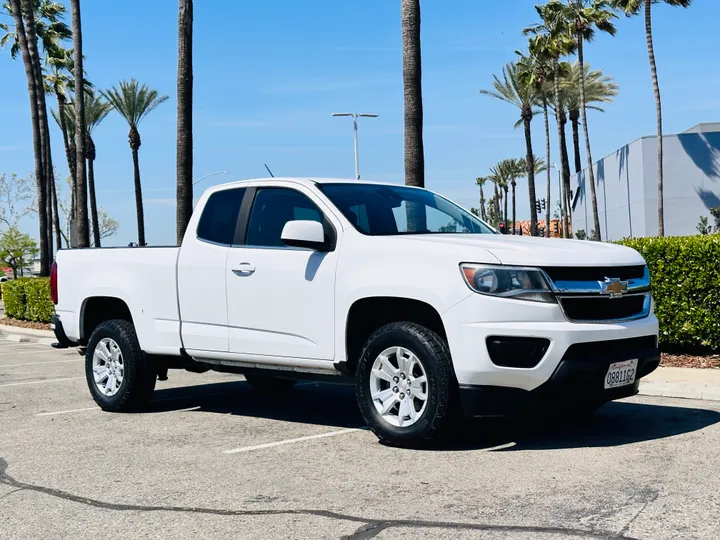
(306, 181)
(704, 127)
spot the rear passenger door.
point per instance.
(202, 261)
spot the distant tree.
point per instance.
(17, 249)
(704, 227)
(580, 234)
(633, 7)
(134, 102)
(715, 213)
(480, 182)
(16, 199)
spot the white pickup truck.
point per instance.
(425, 308)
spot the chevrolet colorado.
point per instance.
(424, 307)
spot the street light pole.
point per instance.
(209, 175)
(355, 116)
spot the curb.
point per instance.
(26, 335)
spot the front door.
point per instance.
(280, 298)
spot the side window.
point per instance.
(219, 218)
(272, 209)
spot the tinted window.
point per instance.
(272, 209)
(219, 217)
(383, 210)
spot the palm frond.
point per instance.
(132, 101)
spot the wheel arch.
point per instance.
(367, 314)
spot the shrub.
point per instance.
(686, 287)
(28, 299)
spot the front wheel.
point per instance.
(405, 384)
(118, 374)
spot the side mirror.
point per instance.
(304, 233)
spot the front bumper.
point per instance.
(578, 380)
(469, 323)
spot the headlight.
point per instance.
(508, 281)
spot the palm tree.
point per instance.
(184, 156)
(81, 212)
(96, 109)
(632, 7)
(511, 90)
(537, 71)
(499, 177)
(480, 182)
(25, 40)
(599, 88)
(580, 18)
(134, 102)
(549, 43)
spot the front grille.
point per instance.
(594, 273)
(602, 308)
(616, 349)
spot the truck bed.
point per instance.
(144, 278)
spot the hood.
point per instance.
(538, 251)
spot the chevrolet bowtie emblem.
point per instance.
(613, 286)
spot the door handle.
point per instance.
(243, 268)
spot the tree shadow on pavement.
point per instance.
(334, 405)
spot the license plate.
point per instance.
(621, 373)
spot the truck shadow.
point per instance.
(333, 405)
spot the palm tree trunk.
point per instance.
(412, 92)
(69, 152)
(530, 163)
(93, 203)
(591, 173)
(575, 121)
(23, 39)
(658, 110)
(138, 199)
(513, 206)
(548, 204)
(483, 214)
(56, 214)
(505, 201)
(560, 117)
(184, 158)
(81, 178)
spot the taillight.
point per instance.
(53, 283)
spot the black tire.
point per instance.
(139, 376)
(270, 385)
(432, 351)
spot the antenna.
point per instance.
(269, 171)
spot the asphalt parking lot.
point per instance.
(214, 459)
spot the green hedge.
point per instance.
(685, 274)
(28, 299)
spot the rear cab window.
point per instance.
(218, 221)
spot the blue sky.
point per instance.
(268, 74)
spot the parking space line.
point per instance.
(68, 412)
(79, 360)
(290, 441)
(40, 382)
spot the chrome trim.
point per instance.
(635, 285)
(645, 312)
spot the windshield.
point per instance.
(380, 210)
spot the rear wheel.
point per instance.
(118, 373)
(270, 385)
(405, 384)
